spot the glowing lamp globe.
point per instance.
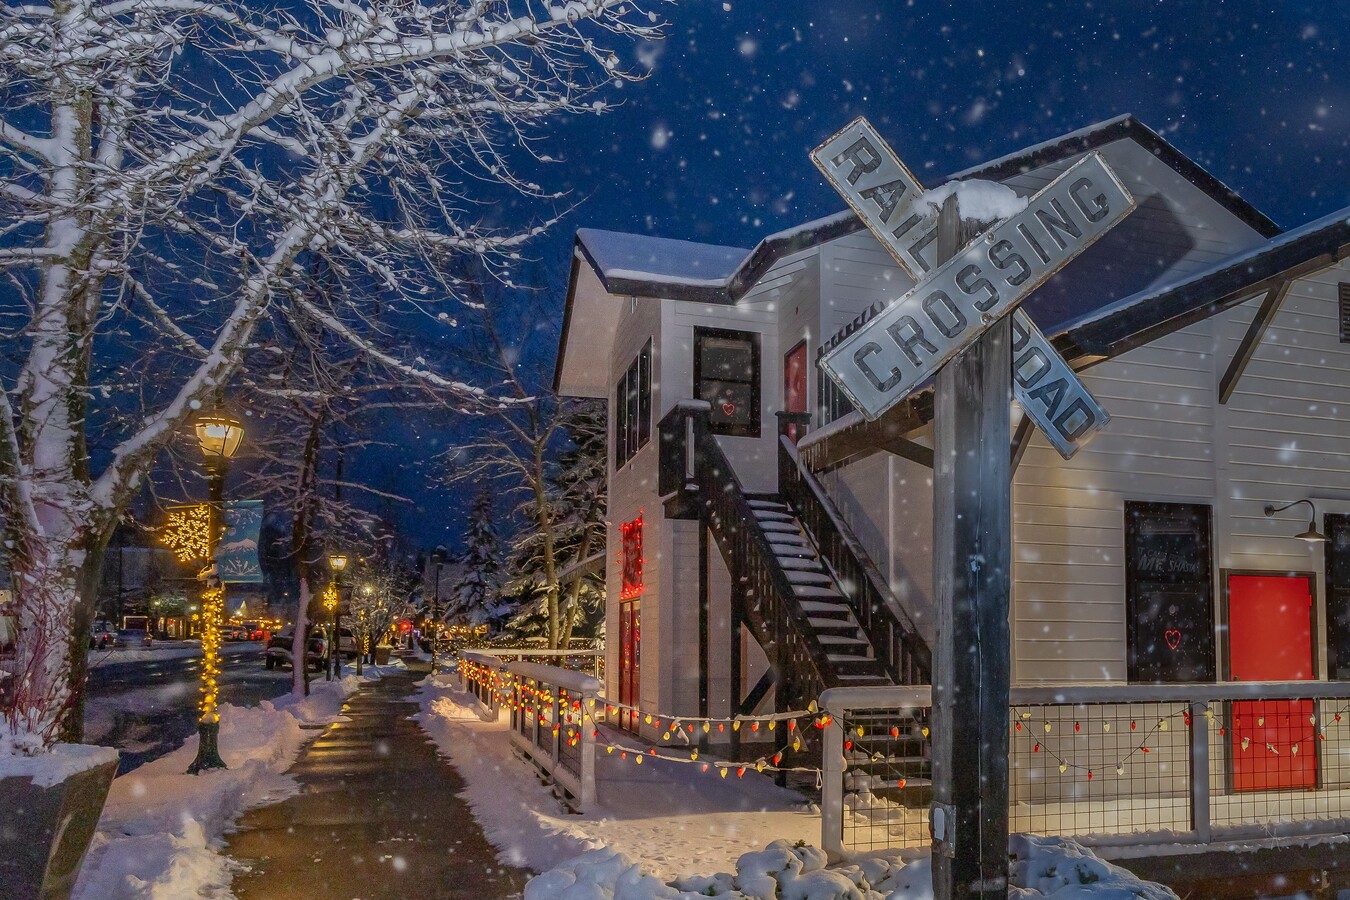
(337, 561)
(219, 436)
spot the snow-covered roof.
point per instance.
(638, 261)
(1130, 321)
(1182, 208)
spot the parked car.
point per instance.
(278, 651)
(347, 644)
(102, 636)
(247, 631)
(134, 637)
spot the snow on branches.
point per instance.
(170, 169)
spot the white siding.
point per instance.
(632, 492)
(1283, 436)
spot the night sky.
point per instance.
(713, 145)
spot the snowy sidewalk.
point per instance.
(378, 815)
(667, 815)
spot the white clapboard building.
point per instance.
(770, 543)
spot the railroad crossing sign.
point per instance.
(953, 303)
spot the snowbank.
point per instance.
(161, 829)
(1042, 867)
(53, 767)
(671, 816)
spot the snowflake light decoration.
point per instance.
(188, 532)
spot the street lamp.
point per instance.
(337, 562)
(219, 438)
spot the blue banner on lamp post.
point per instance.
(237, 554)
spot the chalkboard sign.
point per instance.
(1169, 592)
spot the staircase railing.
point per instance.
(695, 472)
(894, 638)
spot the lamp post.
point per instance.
(337, 562)
(219, 437)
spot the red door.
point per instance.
(630, 662)
(794, 384)
(1270, 639)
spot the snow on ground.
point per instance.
(670, 816)
(161, 829)
(680, 823)
(162, 650)
(47, 769)
(1042, 868)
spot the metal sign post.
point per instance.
(955, 325)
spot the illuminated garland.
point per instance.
(503, 686)
(188, 532)
(537, 703)
(520, 695)
(213, 604)
(1243, 741)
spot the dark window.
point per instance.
(1338, 596)
(831, 402)
(633, 408)
(726, 374)
(1169, 592)
(1343, 296)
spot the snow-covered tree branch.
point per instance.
(170, 169)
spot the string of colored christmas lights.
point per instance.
(1244, 742)
(501, 684)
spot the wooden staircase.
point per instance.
(801, 580)
(829, 615)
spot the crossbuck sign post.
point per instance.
(955, 325)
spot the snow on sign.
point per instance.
(1061, 221)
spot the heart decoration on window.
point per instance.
(1173, 638)
(728, 408)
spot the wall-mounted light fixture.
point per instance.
(1312, 535)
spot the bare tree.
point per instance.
(517, 450)
(168, 171)
(379, 600)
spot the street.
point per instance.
(149, 707)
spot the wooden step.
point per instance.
(809, 576)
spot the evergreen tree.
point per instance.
(576, 498)
(474, 596)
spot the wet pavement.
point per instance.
(147, 708)
(379, 815)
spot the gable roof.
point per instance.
(1138, 319)
(639, 265)
(688, 273)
